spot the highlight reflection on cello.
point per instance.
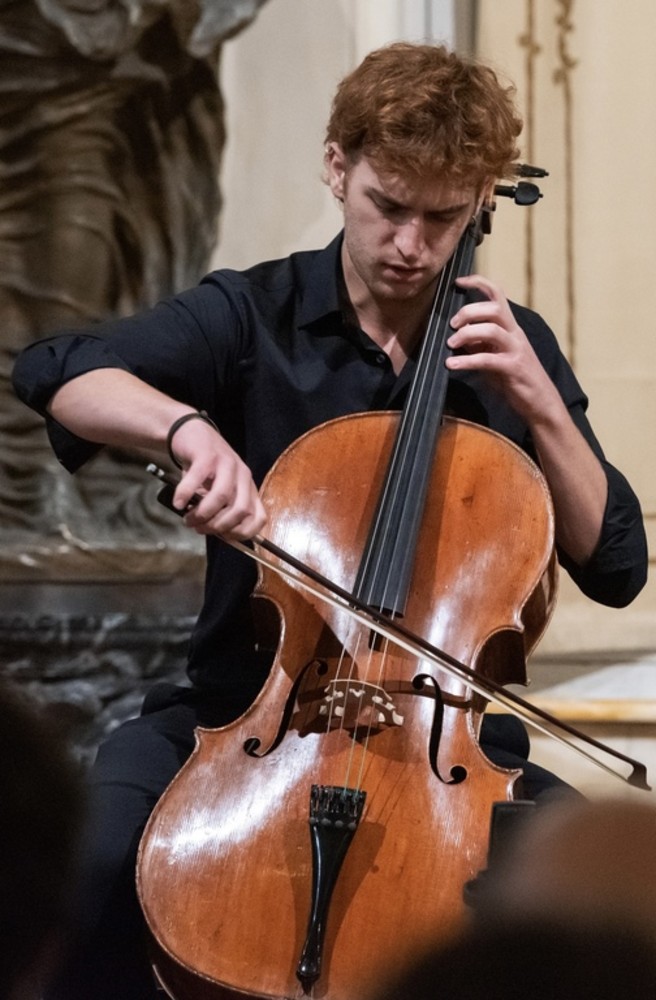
(345, 729)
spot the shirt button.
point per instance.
(381, 359)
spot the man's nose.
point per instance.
(410, 238)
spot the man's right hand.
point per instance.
(230, 504)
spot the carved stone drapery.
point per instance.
(111, 136)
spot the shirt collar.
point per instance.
(321, 295)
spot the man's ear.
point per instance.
(335, 164)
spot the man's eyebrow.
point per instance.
(450, 209)
(376, 193)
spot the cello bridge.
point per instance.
(353, 704)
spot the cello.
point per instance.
(325, 836)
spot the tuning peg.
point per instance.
(523, 193)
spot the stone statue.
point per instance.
(111, 133)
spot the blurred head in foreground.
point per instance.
(41, 805)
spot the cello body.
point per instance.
(228, 871)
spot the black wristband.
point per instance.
(177, 424)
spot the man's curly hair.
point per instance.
(425, 110)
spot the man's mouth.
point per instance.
(403, 272)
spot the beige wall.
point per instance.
(587, 86)
(278, 77)
(589, 241)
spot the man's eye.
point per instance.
(393, 211)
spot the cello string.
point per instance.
(351, 692)
(347, 694)
(332, 706)
(413, 411)
(402, 456)
(351, 767)
(384, 657)
(351, 695)
(346, 687)
(371, 556)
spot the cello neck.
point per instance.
(385, 572)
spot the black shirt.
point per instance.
(269, 353)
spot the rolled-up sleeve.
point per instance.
(48, 364)
(165, 346)
(617, 570)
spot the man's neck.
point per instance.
(396, 326)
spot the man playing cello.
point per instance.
(228, 374)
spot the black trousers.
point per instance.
(107, 958)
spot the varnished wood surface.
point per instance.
(225, 867)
